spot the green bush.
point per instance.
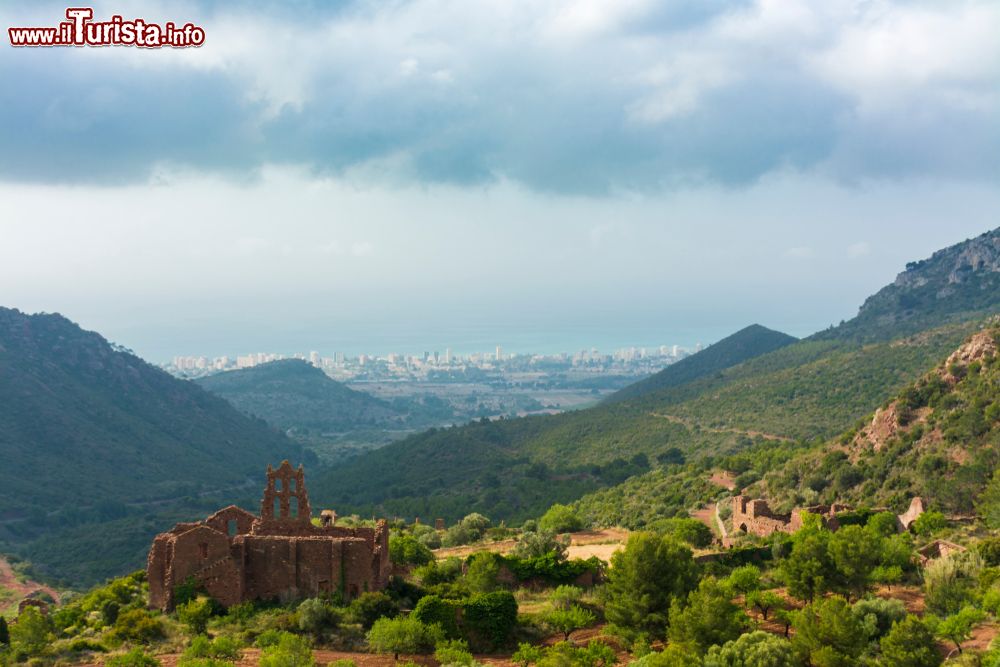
(403, 635)
(367, 608)
(407, 550)
(134, 658)
(290, 651)
(454, 652)
(929, 523)
(195, 614)
(560, 519)
(138, 625)
(317, 617)
(433, 610)
(490, 618)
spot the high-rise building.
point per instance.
(499, 353)
(314, 359)
(447, 356)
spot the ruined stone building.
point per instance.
(754, 516)
(236, 556)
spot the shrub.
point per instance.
(482, 573)
(367, 608)
(290, 651)
(560, 519)
(204, 652)
(541, 543)
(433, 610)
(929, 523)
(878, 615)
(138, 625)
(134, 658)
(407, 550)
(317, 616)
(490, 617)
(195, 614)
(568, 620)
(403, 635)
(453, 652)
(563, 597)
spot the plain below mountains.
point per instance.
(725, 399)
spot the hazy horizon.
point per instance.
(358, 176)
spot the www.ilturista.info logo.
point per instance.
(81, 30)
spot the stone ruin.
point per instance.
(235, 556)
(754, 516)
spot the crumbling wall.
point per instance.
(236, 556)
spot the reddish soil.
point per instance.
(21, 589)
(724, 479)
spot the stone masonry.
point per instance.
(754, 516)
(235, 556)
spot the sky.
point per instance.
(409, 176)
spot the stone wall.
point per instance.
(234, 555)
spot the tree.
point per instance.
(568, 620)
(4, 632)
(526, 654)
(483, 572)
(929, 523)
(989, 501)
(744, 580)
(710, 617)
(884, 524)
(808, 570)
(316, 617)
(827, 634)
(403, 635)
(560, 519)
(371, 606)
(765, 601)
(878, 615)
(910, 643)
(644, 579)
(408, 550)
(754, 649)
(855, 552)
(31, 634)
(535, 544)
(957, 628)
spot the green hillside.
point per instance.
(747, 343)
(811, 389)
(89, 432)
(295, 396)
(939, 438)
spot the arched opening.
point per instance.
(743, 527)
(277, 508)
(231, 527)
(293, 504)
(293, 484)
(277, 484)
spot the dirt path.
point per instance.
(21, 590)
(691, 424)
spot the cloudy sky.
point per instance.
(548, 175)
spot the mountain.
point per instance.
(937, 438)
(746, 343)
(956, 284)
(90, 432)
(297, 397)
(809, 390)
